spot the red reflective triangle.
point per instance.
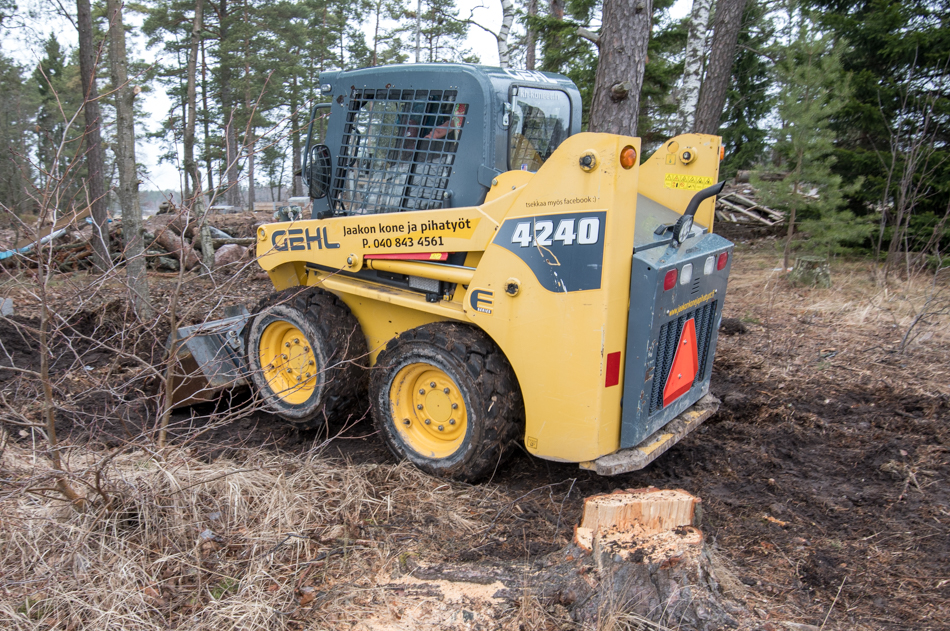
(685, 365)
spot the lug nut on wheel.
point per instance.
(445, 390)
(441, 428)
(431, 384)
(428, 421)
(451, 421)
(418, 406)
(421, 391)
(406, 421)
(455, 406)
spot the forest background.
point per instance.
(840, 109)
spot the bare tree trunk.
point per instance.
(233, 194)
(693, 68)
(125, 161)
(251, 195)
(209, 166)
(623, 56)
(250, 106)
(530, 39)
(418, 30)
(295, 187)
(507, 19)
(94, 162)
(722, 55)
(193, 178)
(554, 42)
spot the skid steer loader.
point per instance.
(493, 273)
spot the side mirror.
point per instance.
(318, 171)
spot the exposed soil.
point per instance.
(824, 476)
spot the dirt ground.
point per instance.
(823, 478)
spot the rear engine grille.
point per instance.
(398, 150)
(666, 348)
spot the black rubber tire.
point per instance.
(337, 340)
(487, 382)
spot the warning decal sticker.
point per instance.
(688, 182)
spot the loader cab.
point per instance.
(430, 136)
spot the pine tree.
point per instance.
(55, 81)
(18, 107)
(657, 121)
(812, 88)
(748, 101)
(898, 56)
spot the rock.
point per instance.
(228, 255)
(6, 307)
(732, 326)
(167, 262)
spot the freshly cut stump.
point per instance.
(636, 554)
(638, 551)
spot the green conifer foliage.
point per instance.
(899, 59)
(812, 88)
(748, 101)
(657, 105)
(18, 103)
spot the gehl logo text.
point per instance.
(301, 239)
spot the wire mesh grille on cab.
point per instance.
(666, 348)
(398, 150)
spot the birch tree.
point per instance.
(125, 164)
(507, 19)
(696, 43)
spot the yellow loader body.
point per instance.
(546, 274)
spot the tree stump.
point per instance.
(811, 271)
(638, 552)
(635, 553)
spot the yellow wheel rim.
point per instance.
(428, 410)
(288, 362)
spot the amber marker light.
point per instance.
(722, 153)
(628, 157)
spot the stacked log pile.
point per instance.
(737, 204)
(170, 242)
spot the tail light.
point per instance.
(723, 259)
(669, 281)
(709, 265)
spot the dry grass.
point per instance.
(851, 332)
(268, 542)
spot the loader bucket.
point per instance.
(210, 359)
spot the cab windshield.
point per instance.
(539, 123)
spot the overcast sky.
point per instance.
(26, 46)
